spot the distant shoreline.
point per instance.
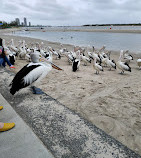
(7, 34)
(105, 30)
(112, 30)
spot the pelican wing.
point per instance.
(99, 67)
(125, 66)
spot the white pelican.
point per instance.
(49, 55)
(12, 46)
(39, 49)
(95, 55)
(4, 45)
(104, 61)
(85, 59)
(70, 57)
(54, 52)
(23, 52)
(110, 63)
(31, 74)
(62, 51)
(139, 63)
(102, 50)
(128, 57)
(123, 65)
(76, 63)
(90, 55)
(97, 67)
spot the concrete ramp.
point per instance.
(64, 133)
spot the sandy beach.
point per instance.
(110, 101)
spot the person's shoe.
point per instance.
(12, 67)
(1, 107)
(7, 126)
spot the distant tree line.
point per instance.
(112, 24)
(8, 25)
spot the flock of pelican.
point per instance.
(40, 61)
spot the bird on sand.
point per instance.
(30, 75)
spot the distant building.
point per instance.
(22, 23)
(25, 22)
(18, 21)
(29, 23)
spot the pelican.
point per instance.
(31, 74)
(62, 51)
(85, 59)
(139, 63)
(11, 58)
(42, 52)
(49, 55)
(90, 55)
(23, 52)
(76, 63)
(4, 45)
(34, 56)
(54, 52)
(110, 63)
(12, 46)
(128, 57)
(123, 65)
(70, 57)
(103, 48)
(97, 67)
(95, 55)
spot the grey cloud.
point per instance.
(9, 8)
(73, 12)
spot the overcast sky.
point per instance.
(71, 12)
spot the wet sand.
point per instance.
(110, 101)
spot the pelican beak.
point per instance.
(52, 64)
(55, 66)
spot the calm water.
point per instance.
(113, 41)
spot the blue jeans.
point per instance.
(3, 60)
